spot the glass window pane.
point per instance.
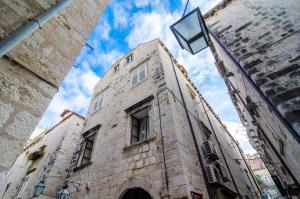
(142, 74)
(143, 129)
(89, 145)
(189, 26)
(134, 77)
(87, 153)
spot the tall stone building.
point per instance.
(47, 157)
(32, 71)
(257, 48)
(263, 176)
(150, 134)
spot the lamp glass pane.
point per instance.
(183, 43)
(189, 26)
(198, 44)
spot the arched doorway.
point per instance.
(136, 193)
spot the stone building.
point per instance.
(46, 157)
(262, 174)
(31, 72)
(257, 49)
(150, 134)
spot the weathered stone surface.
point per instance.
(117, 165)
(53, 165)
(272, 61)
(5, 110)
(31, 73)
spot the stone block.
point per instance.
(22, 125)
(5, 110)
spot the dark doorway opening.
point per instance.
(136, 193)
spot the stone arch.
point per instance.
(135, 193)
(136, 182)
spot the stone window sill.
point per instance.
(127, 148)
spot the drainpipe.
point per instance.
(209, 190)
(222, 152)
(34, 24)
(163, 146)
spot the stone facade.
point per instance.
(31, 73)
(52, 166)
(262, 174)
(263, 38)
(166, 163)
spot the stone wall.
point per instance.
(263, 38)
(31, 73)
(53, 165)
(166, 163)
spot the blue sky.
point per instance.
(125, 24)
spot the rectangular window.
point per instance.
(281, 147)
(129, 59)
(139, 126)
(116, 68)
(86, 148)
(139, 74)
(98, 103)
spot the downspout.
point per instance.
(225, 160)
(34, 24)
(270, 143)
(163, 148)
(210, 193)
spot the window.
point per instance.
(139, 74)
(116, 68)
(192, 93)
(139, 126)
(98, 103)
(86, 148)
(281, 147)
(129, 59)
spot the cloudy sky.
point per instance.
(125, 24)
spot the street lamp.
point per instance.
(191, 32)
(39, 188)
(63, 193)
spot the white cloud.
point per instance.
(204, 5)
(121, 13)
(74, 94)
(103, 29)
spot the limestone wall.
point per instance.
(32, 72)
(263, 37)
(53, 165)
(166, 163)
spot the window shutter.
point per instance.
(142, 72)
(134, 77)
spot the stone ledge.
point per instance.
(127, 148)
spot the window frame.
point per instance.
(129, 58)
(116, 68)
(96, 107)
(83, 147)
(137, 71)
(138, 136)
(281, 147)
